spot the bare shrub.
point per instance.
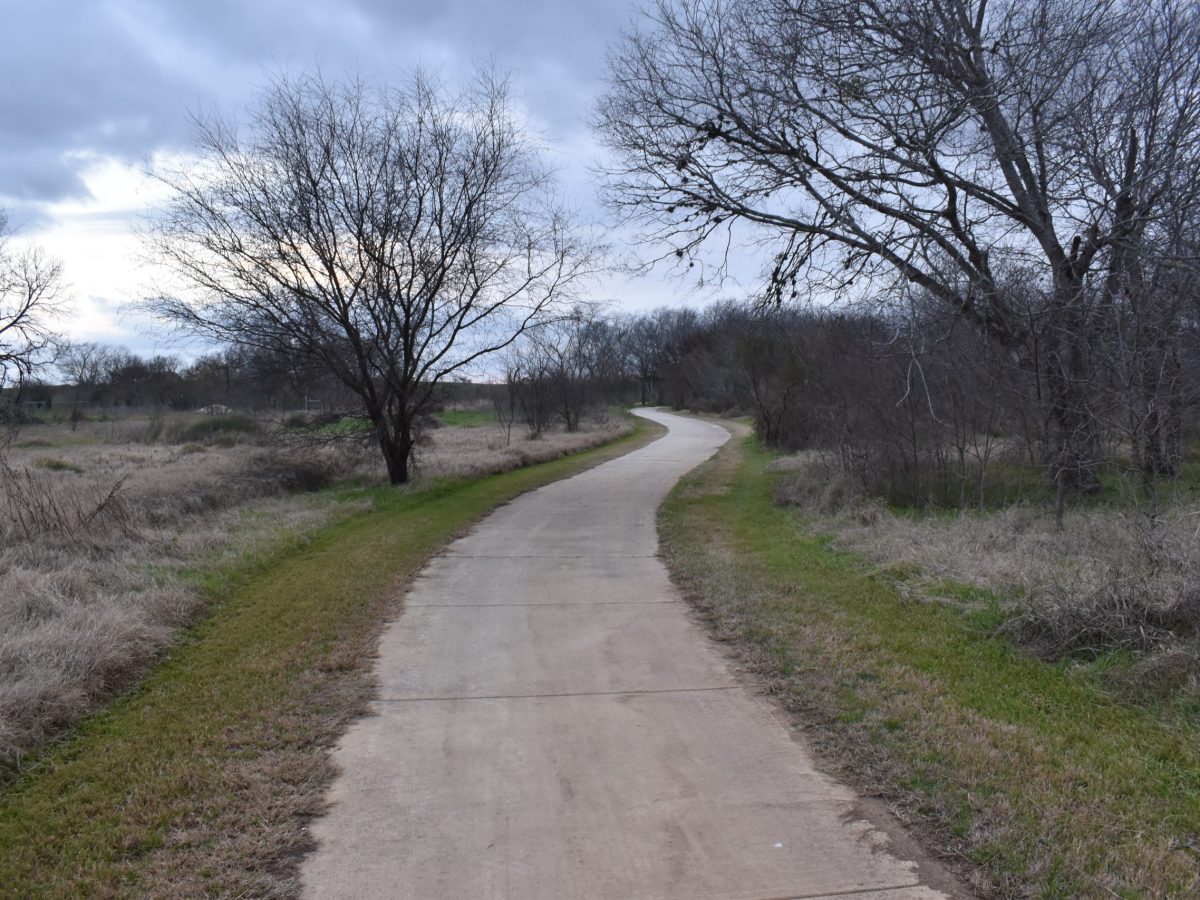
(274, 473)
(818, 482)
(1123, 612)
(37, 506)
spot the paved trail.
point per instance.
(552, 724)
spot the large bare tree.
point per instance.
(31, 287)
(957, 145)
(392, 237)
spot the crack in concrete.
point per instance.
(697, 690)
(549, 605)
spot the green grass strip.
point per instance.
(197, 781)
(1043, 783)
(467, 418)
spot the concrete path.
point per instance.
(552, 724)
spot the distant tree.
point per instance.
(83, 364)
(642, 346)
(31, 287)
(574, 355)
(389, 237)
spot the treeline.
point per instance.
(94, 377)
(915, 403)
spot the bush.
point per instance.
(271, 475)
(219, 429)
(818, 484)
(54, 464)
(1125, 612)
(35, 507)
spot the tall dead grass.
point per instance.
(91, 562)
(1111, 579)
(93, 545)
(486, 450)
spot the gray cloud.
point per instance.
(86, 80)
(118, 77)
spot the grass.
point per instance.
(92, 548)
(1035, 780)
(200, 779)
(345, 427)
(54, 464)
(467, 418)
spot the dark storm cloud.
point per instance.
(115, 78)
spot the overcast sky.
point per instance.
(94, 90)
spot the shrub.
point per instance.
(36, 507)
(217, 429)
(274, 475)
(1116, 617)
(57, 465)
(817, 483)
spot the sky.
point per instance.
(97, 92)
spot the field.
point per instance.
(111, 535)
(921, 675)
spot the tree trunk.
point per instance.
(1157, 441)
(1073, 441)
(397, 446)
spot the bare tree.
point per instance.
(31, 287)
(949, 143)
(575, 353)
(643, 348)
(84, 364)
(505, 403)
(392, 237)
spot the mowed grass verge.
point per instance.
(1031, 777)
(199, 781)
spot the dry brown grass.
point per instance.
(99, 534)
(483, 450)
(1109, 579)
(92, 563)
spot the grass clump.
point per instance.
(1038, 780)
(53, 464)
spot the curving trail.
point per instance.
(552, 724)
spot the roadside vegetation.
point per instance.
(200, 779)
(1036, 776)
(108, 528)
